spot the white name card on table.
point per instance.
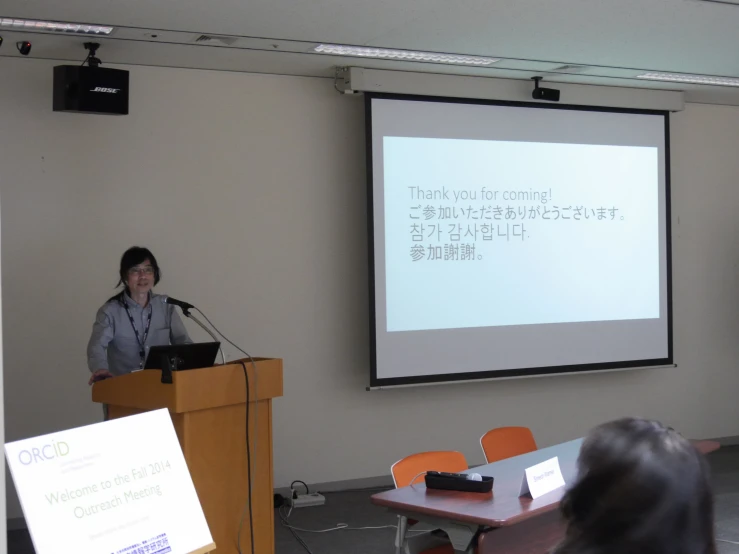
(117, 487)
(542, 478)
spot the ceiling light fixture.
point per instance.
(402, 55)
(732, 2)
(53, 26)
(691, 79)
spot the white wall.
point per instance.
(251, 191)
(3, 521)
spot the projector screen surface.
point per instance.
(515, 239)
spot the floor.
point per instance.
(355, 510)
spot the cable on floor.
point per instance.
(338, 527)
(294, 533)
(368, 489)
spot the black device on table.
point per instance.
(180, 357)
(458, 482)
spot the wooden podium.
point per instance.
(208, 409)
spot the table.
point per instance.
(465, 515)
(501, 520)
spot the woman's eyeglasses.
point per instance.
(146, 270)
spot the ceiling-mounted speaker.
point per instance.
(93, 90)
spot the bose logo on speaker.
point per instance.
(103, 89)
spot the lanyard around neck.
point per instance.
(142, 342)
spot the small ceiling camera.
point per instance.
(24, 47)
(540, 93)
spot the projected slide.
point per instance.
(482, 233)
(516, 239)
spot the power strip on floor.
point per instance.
(306, 500)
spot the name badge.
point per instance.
(542, 478)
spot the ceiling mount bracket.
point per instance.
(342, 83)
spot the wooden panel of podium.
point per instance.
(208, 408)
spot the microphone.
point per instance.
(184, 306)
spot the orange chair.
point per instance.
(506, 442)
(411, 466)
(410, 470)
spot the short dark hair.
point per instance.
(641, 487)
(131, 258)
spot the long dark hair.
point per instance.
(641, 488)
(131, 258)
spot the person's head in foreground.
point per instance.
(641, 489)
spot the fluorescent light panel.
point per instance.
(691, 79)
(734, 2)
(403, 55)
(53, 26)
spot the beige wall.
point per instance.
(251, 191)
(3, 522)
